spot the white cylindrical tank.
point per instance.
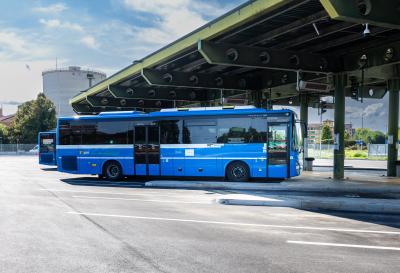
(60, 85)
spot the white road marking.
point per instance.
(142, 200)
(344, 245)
(235, 223)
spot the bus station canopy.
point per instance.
(263, 52)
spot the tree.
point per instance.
(4, 134)
(33, 117)
(378, 137)
(369, 136)
(326, 136)
(363, 134)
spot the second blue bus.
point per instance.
(47, 148)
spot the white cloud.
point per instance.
(19, 83)
(175, 18)
(12, 42)
(54, 8)
(156, 6)
(15, 46)
(55, 23)
(373, 109)
(89, 41)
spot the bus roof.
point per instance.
(185, 112)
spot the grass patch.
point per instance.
(356, 154)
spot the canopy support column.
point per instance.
(338, 155)
(393, 124)
(304, 120)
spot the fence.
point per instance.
(323, 151)
(18, 149)
(379, 150)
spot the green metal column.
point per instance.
(257, 96)
(393, 125)
(304, 120)
(338, 156)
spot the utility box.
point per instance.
(398, 168)
(308, 163)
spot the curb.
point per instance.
(332, 187)
(350, 168)
(314, 203)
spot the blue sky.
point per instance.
(108, 35)
(104, 34)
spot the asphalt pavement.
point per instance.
(55, 222)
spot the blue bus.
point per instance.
(237, 143)
(47, 148)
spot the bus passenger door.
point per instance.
(153, 150)
(147, 150)
(278, 150)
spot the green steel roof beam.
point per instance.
(375, 12)
(223, 24)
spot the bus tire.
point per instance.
(237, 171)
(112, 170)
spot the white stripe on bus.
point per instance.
(103, 146)
(172, 158)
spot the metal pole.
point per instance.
(338, 155)
(320, 135)
(304, 120)
(393, 124)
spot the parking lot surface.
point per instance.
(55, 222)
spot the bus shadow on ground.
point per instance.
(389, 220)
(94, 181)
(54, 169)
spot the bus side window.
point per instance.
(199, 131)
(242, 130)
(170, 131)
(113, 132)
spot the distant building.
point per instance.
(60, 85)
(6, 120)
(314, 130)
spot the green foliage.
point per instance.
(369, 136)
(4, 134)
(33, 117)
(326, 136)
(378, 138)
(359, 154)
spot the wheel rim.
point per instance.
(238, 172)
(113, 171)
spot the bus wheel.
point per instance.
(238, 172)
(113, 170)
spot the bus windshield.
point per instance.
(297, 133)
(46, 144)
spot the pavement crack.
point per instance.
(131, 250)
